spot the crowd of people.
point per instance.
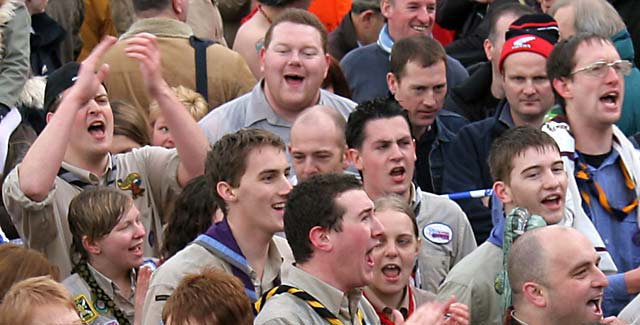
(407, 162)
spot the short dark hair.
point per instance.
(359, 6)
(301, 17)
(227, 159)
(313, 203)
(144, 5)
(510, 8)
(421, 49)
(191, 216)
(512, 143)
(562, 59)
(375, 109)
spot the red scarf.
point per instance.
(384, 320)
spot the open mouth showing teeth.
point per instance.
(553, 199)
(419, 28)
(96, 127)
(609, 98)
(595, 304)
(391, 270)
(398, 171)
(293, 78)
(278, 206)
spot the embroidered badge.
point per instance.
(85, 308)
(132, 183)
(437, 233)
(101, 306)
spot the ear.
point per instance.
(366, 17)
(226, 192)
(345, 158)
(386, 8)
(262, 53)
(534, 293)
(355, 158)
(392, 83)
(177, 6)
(503, 192)
(91, 246)
(488, 49)
(327, 59)
(320, 239)
(49, 117)
(563, 87)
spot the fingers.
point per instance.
(98, 52)
(613, 320)
(143, 46)
(458, 313)
(398, 319)
(430, 313)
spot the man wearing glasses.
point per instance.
(587, 75)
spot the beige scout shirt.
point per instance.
(285, 308)
(472, 281)
(148, 175)
(194, 258)
(446, 236)
(80, 291)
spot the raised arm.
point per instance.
(42, 162)
(190, 141)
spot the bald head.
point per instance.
(317, 142)
(554, 275)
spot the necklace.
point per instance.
(264, 14)
(513, 314)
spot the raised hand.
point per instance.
(90, 76)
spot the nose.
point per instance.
(612, 75)
(551, 180)
(600, 280)
(423, 14)
(428, 99)
(294, 58)
(396, 153)
(310, 168)
(376, 228)
(140, 231)
(529, 89)
(286, 187)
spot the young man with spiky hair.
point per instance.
(250, 173)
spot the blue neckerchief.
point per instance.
(384, 39)
(219, 241)
(497, 233)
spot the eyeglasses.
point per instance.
(599, 69)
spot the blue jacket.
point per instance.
(366, 69)
(629, 122)
(447, 126)
(466, 166)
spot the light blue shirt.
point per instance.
(616, 234)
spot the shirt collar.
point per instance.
(403, 307)
(161, 27)
(87, 176)
(111, 288)
(336, 301)
(259, 109)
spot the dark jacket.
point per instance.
(343, 39)
(472, 98)
(447, 125)
(45, 44)
(466, 166)
(629, 122)
(629, 10)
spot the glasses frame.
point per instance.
(622, 67)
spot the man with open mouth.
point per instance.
(381, 148)
(554, 275)
(587, 75)
(72, 154)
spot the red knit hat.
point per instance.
(525, 43)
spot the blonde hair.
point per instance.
(24, 296)
(192, 101)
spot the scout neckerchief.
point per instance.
(383, 317)
(83, 271)
(316, 305)
(73, 179)
(219, 241)
(517, 222)
(584, 177)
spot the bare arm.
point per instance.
(191, 142)
(37, 177)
